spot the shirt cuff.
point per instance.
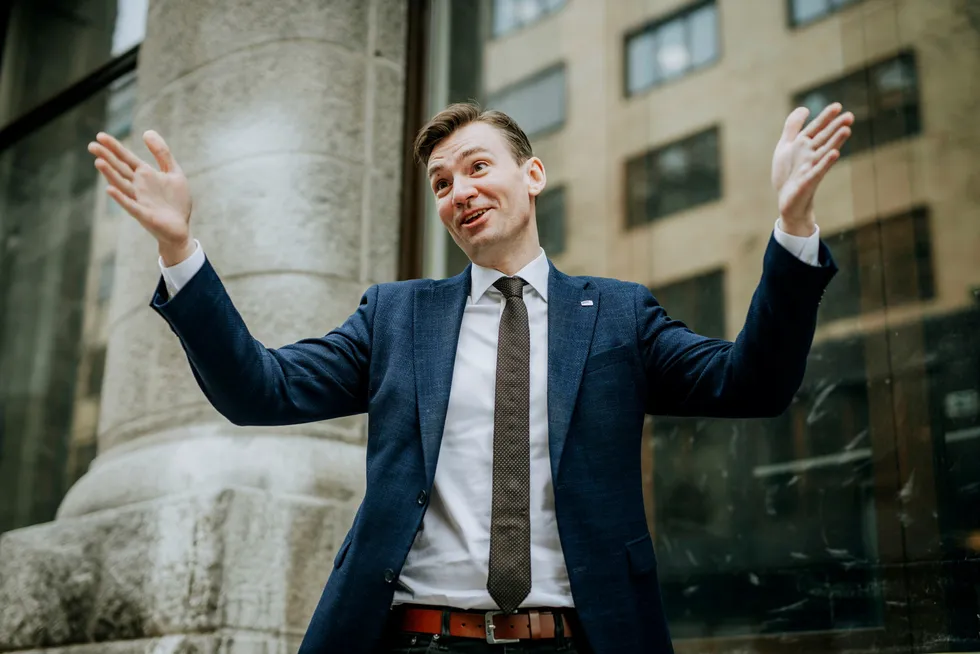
(804, 248)
(177, 276)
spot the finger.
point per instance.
(104, 153)
(832, 129)
(114, 178)
(131, 206)
(821, 120)
(158, 148)
(119, 150)
(819, 169)
(794, 123)
(835, 142)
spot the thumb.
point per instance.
(158, 148)
(794, 123)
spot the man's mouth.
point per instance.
(474, 217)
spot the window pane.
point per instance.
(884, 99)
(550, 211)
(538, 105)
(703, 25)
(51, 199)
(641, 62)
(673, 57)
(54, 44)
(807, 10)
(504, 16)
(668, 50)
(509, 15)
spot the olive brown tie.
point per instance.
(509, 578)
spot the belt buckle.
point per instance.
(489, 627)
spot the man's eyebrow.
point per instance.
(462, 155)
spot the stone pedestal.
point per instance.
(190, 534)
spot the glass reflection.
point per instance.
(850, 522)
(57, 231)
(53, 44)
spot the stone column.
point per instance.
(189, 533)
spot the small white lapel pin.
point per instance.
(586, 303)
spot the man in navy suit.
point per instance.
(503, 500)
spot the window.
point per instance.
(884, 98)
(536, 103)
(672, 47)
(886, 263)
(550, 210)
(698, 302)
(511, 15)
(802, 12)
(673, 178)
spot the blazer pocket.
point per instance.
(642, 558)
(342, 552)
(606, 358)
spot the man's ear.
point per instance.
(536, 176)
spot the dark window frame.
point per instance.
(859, 288)
(912, 109)
(792, 23)
(656, 24)
(531, 79)
(654, 152)
(701, 285)
(492, 33)
(560, 190)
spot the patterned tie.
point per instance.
(509, 579)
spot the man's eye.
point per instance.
(480, 165)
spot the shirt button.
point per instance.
(421, 498)
(389, 575)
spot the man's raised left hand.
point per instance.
(802, 158)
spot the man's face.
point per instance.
(482, 194)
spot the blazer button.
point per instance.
(389, 575)
(421, 498)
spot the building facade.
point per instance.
(850, 523)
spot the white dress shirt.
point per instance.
(448, 563)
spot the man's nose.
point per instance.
(463, 192)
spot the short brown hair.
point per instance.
(457, 115)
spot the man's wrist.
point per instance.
(804, 228)
(174, 254)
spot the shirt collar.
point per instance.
(534, 273)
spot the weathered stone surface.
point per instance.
(225, 641)
(187, 35)
(188, 564)
(214, 455)
(391, 30)
(289, 212)
(294, 96)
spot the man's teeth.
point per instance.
(474, 216)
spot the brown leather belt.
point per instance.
(493, 626)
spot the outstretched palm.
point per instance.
(159, 199)
(802, 158)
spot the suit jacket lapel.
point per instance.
(570, 328)
(438, 314)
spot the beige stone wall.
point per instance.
(748, 92)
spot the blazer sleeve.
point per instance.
(250, 384)
(755, 376)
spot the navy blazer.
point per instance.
(610, 363)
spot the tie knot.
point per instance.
(510, 286)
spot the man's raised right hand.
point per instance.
(159, 199)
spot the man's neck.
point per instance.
(512, 261)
